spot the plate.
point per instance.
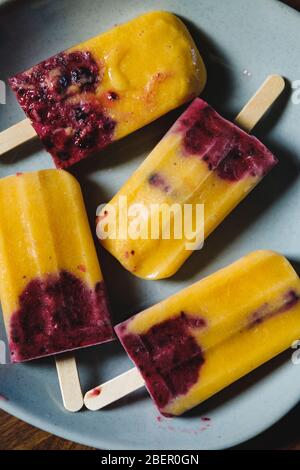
(242, 43)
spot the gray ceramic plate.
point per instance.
(242, 43)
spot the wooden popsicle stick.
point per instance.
(113, 390)
(69, 382)
(126, 383)
(16, 135)
(259, 104)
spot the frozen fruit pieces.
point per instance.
(51, 287)
(82, 99)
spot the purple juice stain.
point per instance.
(226, 149)
(58, 313)
(95, 392)
(265, 312)
(168, 356)
(158, 181)
(58, 96)
(291, 299)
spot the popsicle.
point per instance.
(203, 159)
(202, 339)
(51, 287)
(94, 93)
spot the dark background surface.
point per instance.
(293, 3)
(17, 435)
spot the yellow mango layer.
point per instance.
(231, 322)
(152, 63)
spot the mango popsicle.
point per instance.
(203, 159)
(200, 340)
(94, 93)
(51, 287)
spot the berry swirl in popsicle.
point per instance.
(90, 95)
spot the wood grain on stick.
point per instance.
(113, 390)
